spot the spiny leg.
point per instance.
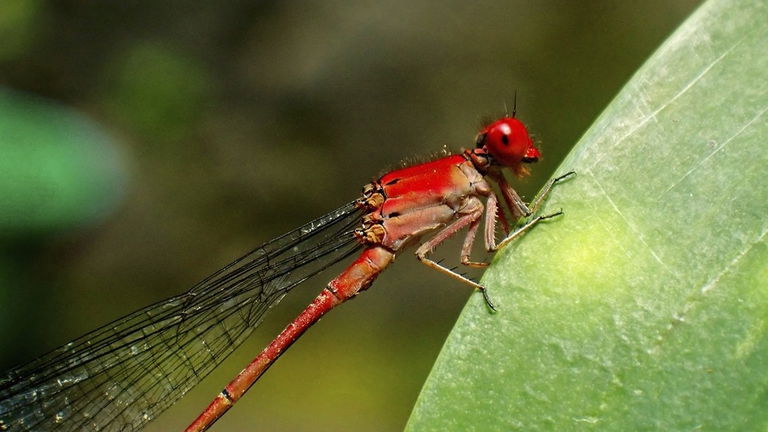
(471, 219)
(493, 211)
(428, 246)
(534, 207)
(522, 230)
(515, 204)
(466, 248)
(536, 203)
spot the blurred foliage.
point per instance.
(240, 120)
(59, 170)
(18, 22)
(165, 100)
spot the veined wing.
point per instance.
(124, 374)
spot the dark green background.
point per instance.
(232, 123)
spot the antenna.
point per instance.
(514, 105)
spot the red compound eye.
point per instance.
(508, 143)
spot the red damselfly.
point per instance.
(124, 374)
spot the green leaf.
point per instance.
(58, 169)
(644, 307)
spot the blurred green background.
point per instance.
(145, 144)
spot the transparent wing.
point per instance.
(122, 375)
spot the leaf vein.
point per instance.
(715, 151)
(638, 233)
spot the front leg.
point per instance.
(515, 204)
(536, 203)
(490, 225)
(522, 230)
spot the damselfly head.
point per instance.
(508, 142)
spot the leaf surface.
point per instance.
(645, 307)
